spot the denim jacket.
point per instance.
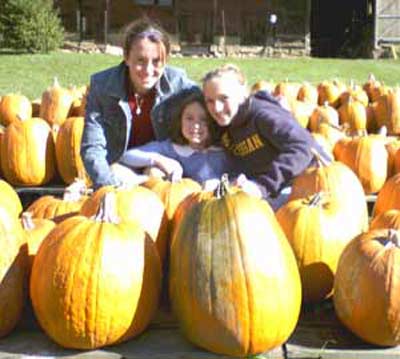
(108, 117)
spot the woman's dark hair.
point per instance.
(175, 130)
(146, 28)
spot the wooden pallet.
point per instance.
(318, 334)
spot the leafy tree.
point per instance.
(30, 25)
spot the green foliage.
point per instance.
(30, 25)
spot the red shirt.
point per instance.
(142, 128)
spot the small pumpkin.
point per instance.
(14, 107)
(58, 209)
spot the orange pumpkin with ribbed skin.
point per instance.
(354, 114)
(36, 230)
(58, 209)
(367, 157)
(13, 263)
(9, 199)
(27, 153)
(392, 148)
(367, 287)
(173, 193)
(302, 111)
(68, 147)
(135, 203)
(56, 104)
(370, 87)
(231, 270)
(95, 281)
(387, 111)
(308, 93)
(389, 196)
(336, 179)
(317, 233)
(354, 93)
(387, 219)
(323, 114)
(14, 107)
(329, 92)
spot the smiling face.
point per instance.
(146, 62)
(194, 126)
(223, 95)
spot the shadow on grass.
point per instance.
(6, 51)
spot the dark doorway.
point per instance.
(341, 28)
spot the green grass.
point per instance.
(32, 74)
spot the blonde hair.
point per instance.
(227, 69)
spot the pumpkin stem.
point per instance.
(322, 162)
(383, 131)
(55, 82)
(107, 212)
(371, 77)
(393, 239)
(316, 199)
(223, 186)
(27, 221)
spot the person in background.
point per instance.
(191, 151)
(130, 104)
(269, 145)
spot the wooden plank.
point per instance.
(318, 334)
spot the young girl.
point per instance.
(190, 151)
(270, 147)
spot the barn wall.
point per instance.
(387, 21)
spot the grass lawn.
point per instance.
(32, 74)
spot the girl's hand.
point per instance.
(171, 167)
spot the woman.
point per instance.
(131, 104)
(269, 145)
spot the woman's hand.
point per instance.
(250, 187)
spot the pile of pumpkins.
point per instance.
(40, 139)
(237, 272)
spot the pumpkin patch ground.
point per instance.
(241, 280)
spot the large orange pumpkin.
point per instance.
(36, 230)
(173, 193)
(135, 203)
(95, 281)
(56, 104)
(13, 264)
(231, 270)
(337, 179)
(68, 146)
(27, 153)
(367, 157)
(389, 196)
(9, 198)
(317, 233)
(367, 287)
(388, 219)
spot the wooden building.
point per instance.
(341, 28)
